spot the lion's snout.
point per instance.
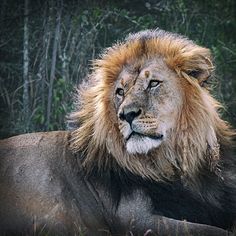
(129, 114)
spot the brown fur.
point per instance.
(199, 132)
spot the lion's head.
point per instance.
(146, 107)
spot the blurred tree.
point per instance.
(54, 60)
(26, 102)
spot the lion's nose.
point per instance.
(130, 114)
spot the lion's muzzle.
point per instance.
(139, 132)
(129, 114)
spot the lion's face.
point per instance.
(146, 107)
(147, 98)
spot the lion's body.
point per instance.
(44, 192)
(31, 193)
(151, 144)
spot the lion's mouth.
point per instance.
(155, 137)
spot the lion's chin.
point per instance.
(137, 144)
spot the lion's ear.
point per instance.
(203, 72)
(197, 64)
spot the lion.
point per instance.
(145, 117)
(148, 153)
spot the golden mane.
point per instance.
(195, 142)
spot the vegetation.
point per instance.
(46, 48)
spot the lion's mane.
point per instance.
(197, 139)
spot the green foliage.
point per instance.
(61, 105)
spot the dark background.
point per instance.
(46, 47)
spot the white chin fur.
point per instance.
(141, 145)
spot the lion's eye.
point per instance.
(120, 91)
(153, 83)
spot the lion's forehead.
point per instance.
(144, 69)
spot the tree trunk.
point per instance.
(26, 104)
(42, 70)
(53, 66)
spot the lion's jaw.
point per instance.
(147, 113)
(142, 144)
(139, 141)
